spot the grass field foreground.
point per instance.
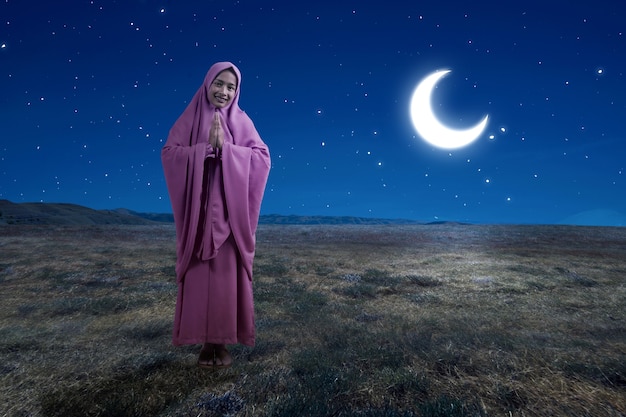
(419, 320)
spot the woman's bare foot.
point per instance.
(222, 357)
(207, 356)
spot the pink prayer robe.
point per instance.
(216, 200)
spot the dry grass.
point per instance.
(442, 320)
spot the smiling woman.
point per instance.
(429, 127)
(223, 88)
(216, 166)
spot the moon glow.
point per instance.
(429, 127)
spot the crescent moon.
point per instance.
(429, 127)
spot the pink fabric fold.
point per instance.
(245, 166)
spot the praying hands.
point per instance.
(216, 136)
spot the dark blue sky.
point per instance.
(90, 90)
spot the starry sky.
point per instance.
(90, 89)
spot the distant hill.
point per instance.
(63, 214)
(73, 214)
(292, 219)
(153, 217)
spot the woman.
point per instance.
(216, 167)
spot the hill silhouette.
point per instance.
(64, 214)
(74, 214)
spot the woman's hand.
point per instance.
(216, 136)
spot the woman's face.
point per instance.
(223, 89)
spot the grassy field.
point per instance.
(437, 320)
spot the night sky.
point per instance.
(90, 89)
